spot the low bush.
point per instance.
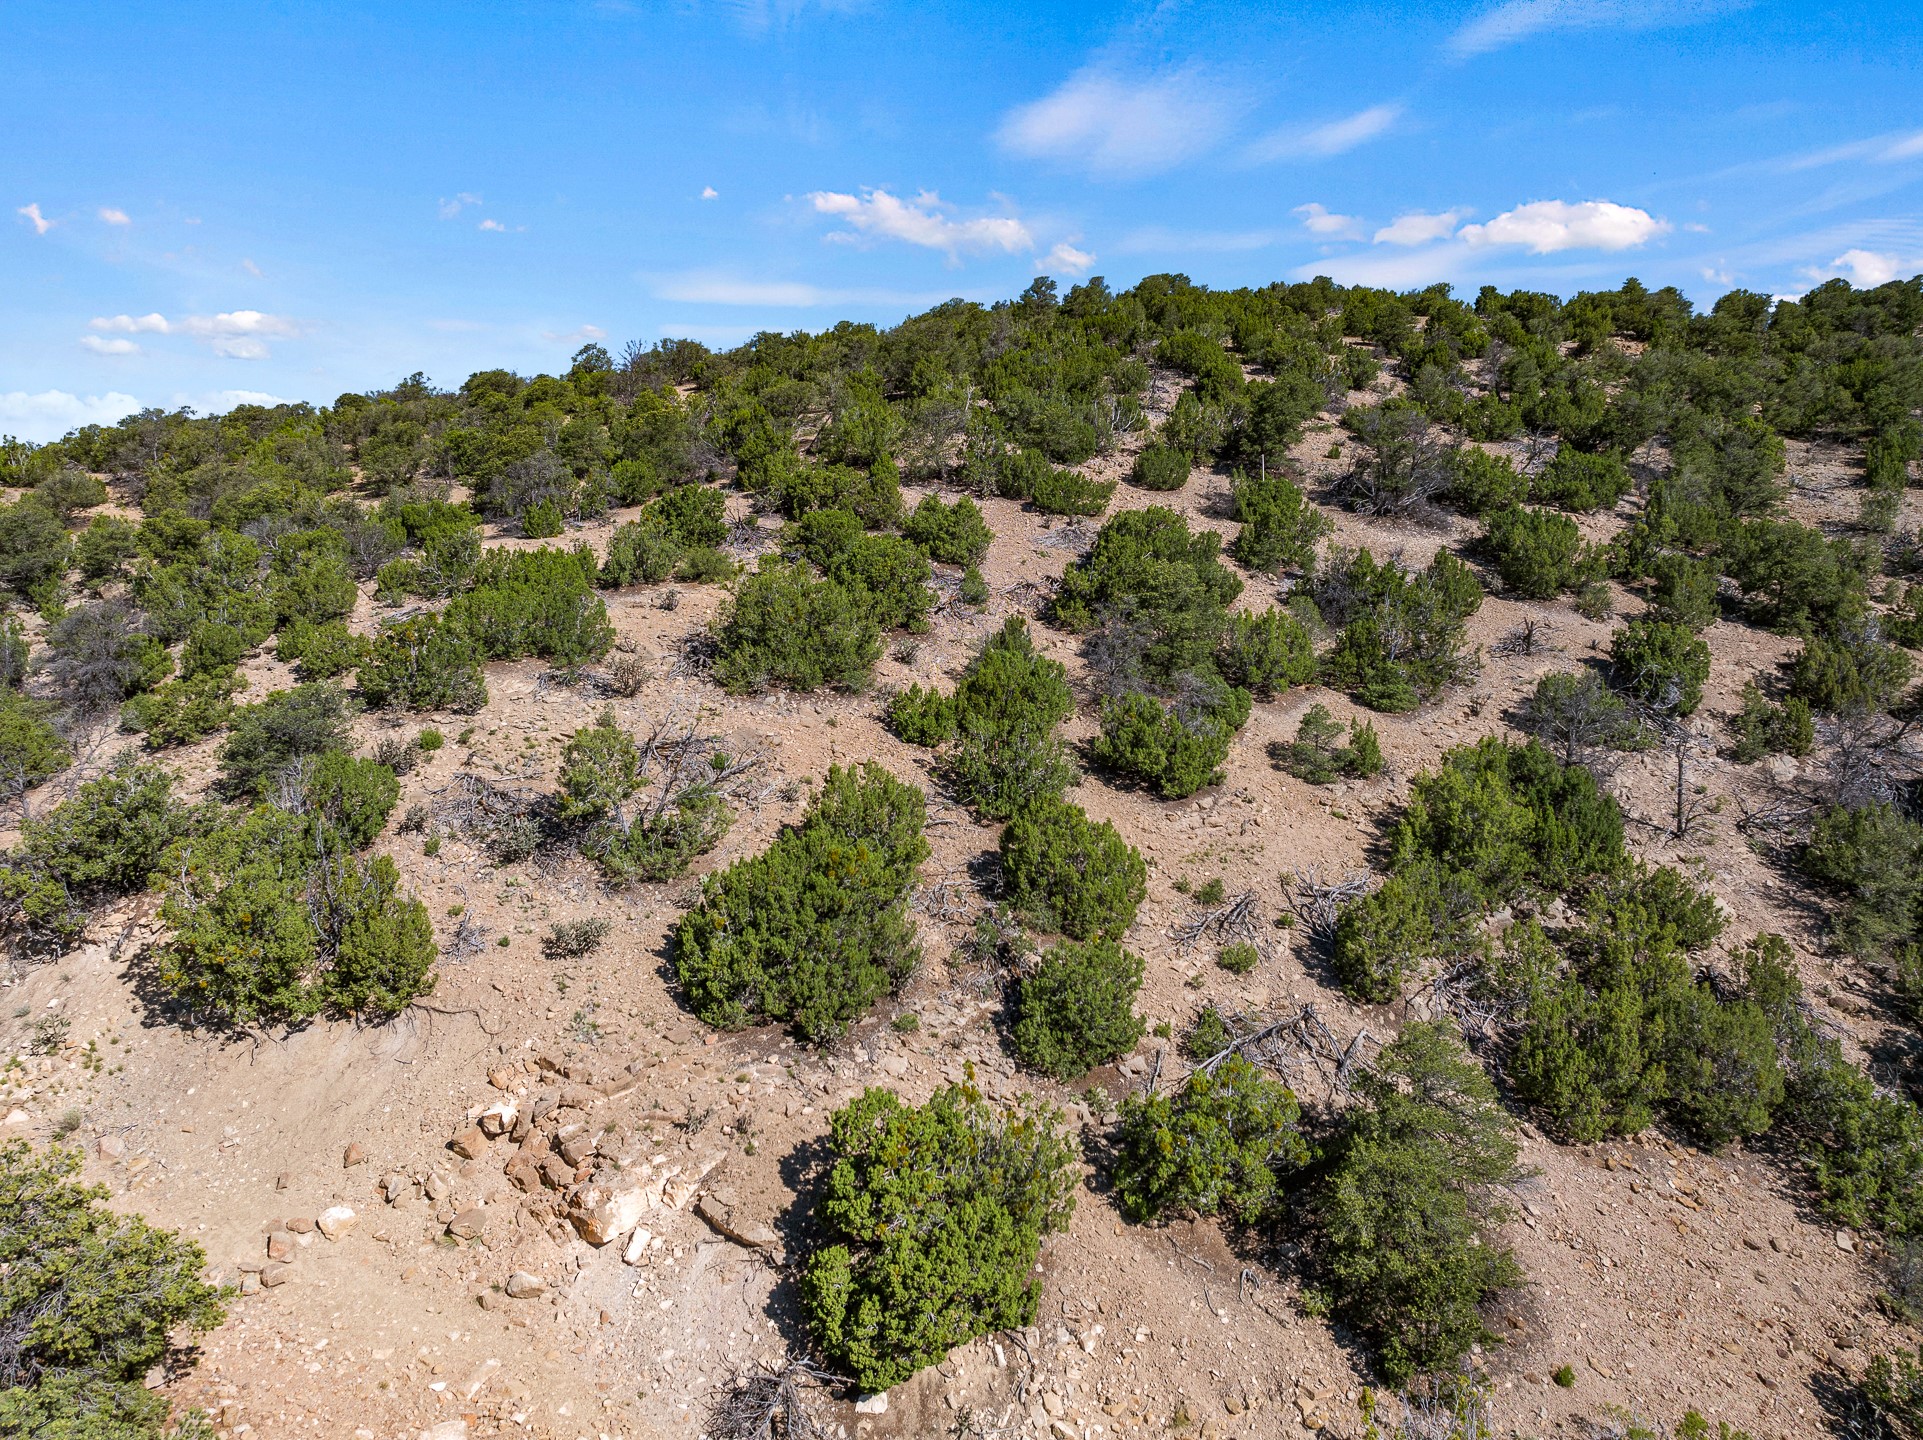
(211, 649)
(1482, 483)
(96, 657)
(1851, 672)
(181, 712)
(1423, 914)
(922, 717)
(535, 603)
(1407, 1207)
(1219, 1145)
(953, 534)
(1159, 468)
(1076, 1008)
(1063, 492)
(1265, 653)
(789, 629)
(1683, 592)
(1577, 480)
(874, 495)
(93, 1301)
(1871, 857)
(815, 929)
(31, 749)
(934, 1218)
(286, 726)
(1403, 631)
(1761, 728)
(1662, 664)
(1069, 875)
(353, 796)
(1535, 551)
(673, 534)
(1238, 958)
(1280, 526)
(888, 577)
(1175, 749)
(648, 836)
(574, 939)
(1318, 754)
(321, 652)
(423, 663)
(1573, 712)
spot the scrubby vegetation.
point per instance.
(1070, 875)
(815, 929)
(935, 1216)
(1219, 1145)
(1076, 1008)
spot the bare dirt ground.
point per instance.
(1664, 1277)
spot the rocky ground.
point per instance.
(548, 1202)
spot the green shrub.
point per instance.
(1423, 913)
(93, 1301)
(1512, 818)
(1407, 1206)
(1576, 480)
(102, 550)
(787, 628)
(1684, 591)
(535, 602)
(1403, 631)
(423, 663)
(1076, 1009)
(1238, 958)
(935, 1217)
(286, 726)
(676, 531)
(313, 583)
(321, 652)
(815, 929)
(268, 930)
(1266, 653)
(543, 520)
(922, 717)
(181, 712)
(1280, 527)
(95, 657)
(1070, 875)
(1892, 1386)
(1761, 728)
(1174, 750)
(1848, 673)
(953, 534)
(1215, 1147)
(873, 495)
(1871, 856)
(1663, 664)
(574, 939)
(888, 579)
(639, 554)
(1481, 483)
(1535, 551)
(31, 749)
(974, 589)
(211, 649)
(354, 796)
(104, 842)
(1159, 468)
(1318, 755)
(33, 548)
(1573, 712)
(1063, 492)
(678, 820)
(704, 566)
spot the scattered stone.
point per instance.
(498, 1118)
(394, 1185)
(110, 1147)
(637, 1247)
(500, 1079)
(599, 1216)
(523, 1286)
(470, 1144)
(722, 1219)
(469, 1223)
(446, 1430)
(437, 1185)
(336, 1220)
(300, 1225)
(1846, 1242)
(872, 1404)
(280, 1246)
(353, 1155)
(283, 1180)
(250, 1282)
(272, 1275)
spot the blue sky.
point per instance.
(209, 202)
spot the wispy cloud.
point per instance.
(1320, 220)
(492, 225)
(49, 414)
(110, 216)
(41, 225)
(717, 287)
(232, 334)
(579, 335)
(251, 268)
(119, 345)
(451, 209)
(1517, 20)
(1869, 268)
(1318, 142)
(708, 192)
(1546, 226)
(923, 221)
(1122, 127)
(1887, 149)
(155, 324)
(1418, 228)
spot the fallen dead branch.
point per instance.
(765, 1401)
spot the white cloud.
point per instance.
(251, 268)
(450, 209)
(120, 346)
(1417, 228)
(714, 287)
(241, 322)
(580, 335)
(1121, 127)
(1546, 226)
(52, 413)
(1320, 220)
(1868, 268)
(1065, 256)
(708, 192)
(495, 225)
(1319, 142)
(921, 221)
(131, 324)
(218, 402)
(1517, 20)
(111, 216)
(41, 225)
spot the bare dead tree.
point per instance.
(1317, 903)
(767, 1401)
(1237, 920)
(1293, 1045)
